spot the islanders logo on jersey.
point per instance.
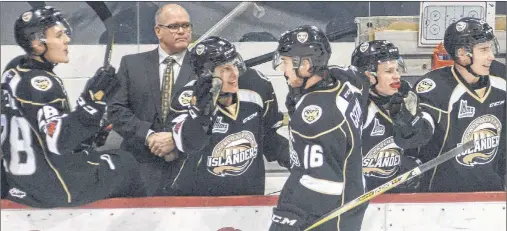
(383, 160)
(185, 97)
(41, 83)
(311, 114)
(485, 131)
(233, 155)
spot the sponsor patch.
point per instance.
(311, 114)
(425, 85)
(41, 83)
(250, 117)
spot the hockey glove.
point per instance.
(205, 94)
(407, 164)
(405, 112)
(103, 85)
(98, 89)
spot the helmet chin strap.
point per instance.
(43, 55)
(469, 67)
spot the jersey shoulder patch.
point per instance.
(425, 85)
(41, 83)
(181, 99)
(314, 117)
(256, 81)
(435, 87)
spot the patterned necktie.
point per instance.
(167, 85)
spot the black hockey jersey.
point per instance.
(325, 133)
(39, 132)
(382, 155)
(231, 160)
(461, 114)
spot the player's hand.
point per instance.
(161, 143)
(408, 163)
(103, 85)
(203, 99)
(404, 109)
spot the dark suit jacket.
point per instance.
(136, 107)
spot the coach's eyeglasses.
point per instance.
(173, 28)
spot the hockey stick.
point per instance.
(107, 18)
(393, 183)
(331, 36)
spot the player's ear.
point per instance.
(371, 77)
(38, 47)
(461, 55)
(305, 67)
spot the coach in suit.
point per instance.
(140, 110)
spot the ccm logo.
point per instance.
(283, 220)
(497, 103)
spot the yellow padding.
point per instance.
(410, 26)
(500, 22)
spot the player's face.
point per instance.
(287, 66)
(57, 43)
(229, 75)
(483, 55)
(388, 76)
(174, 30)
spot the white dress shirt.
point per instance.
(178, 57)
(162, 55)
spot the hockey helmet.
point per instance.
(305, 42)
(213, 52)
(32, 24)
(368, 55)
(467, 32)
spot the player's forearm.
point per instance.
(415, 136)
(276, 147)
(65, 134)
(126, 123)
(190, 135)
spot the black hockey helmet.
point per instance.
(212, 52)
(32, 24)
(465, 33)
(305, 42)
(368, 55)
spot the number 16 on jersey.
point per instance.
(313, 156)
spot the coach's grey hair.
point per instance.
(157, 15)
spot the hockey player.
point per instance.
(224, 142)
(40, 133)
(394, 122)
(466, 103)
(325, 130)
